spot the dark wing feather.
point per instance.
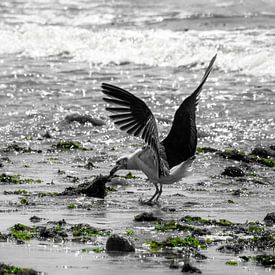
(181, 142)
(133, 116)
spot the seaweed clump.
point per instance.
(69, 145)
(172, 242)
(258, 155)
(85, 232)
(22, 232)
(11, 269)
(16, 179)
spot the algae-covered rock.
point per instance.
(116, 243)
(10, 269)
(82, 119)
(69, 145)
(234, 155)
(264, 152)
(266, 260)
(58, 233)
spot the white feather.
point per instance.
(143, 159)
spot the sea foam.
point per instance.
(246, 51)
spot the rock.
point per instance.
(19, 242)
(234, 155)
(234, 248)
(174, 265)
(270, 219)
(58, 223)
(240, 192)
(82, 119)
(168, 209)
(47, 135)
(96, 188)
(233, 171)
(266, 260)
(188, 268)
(35, 219)
(259, 151)
(57, 233)
(3, 238)
(116, 243)
(14, 147)
(146, 217)
(89, 165)
(199, 257)
(264, 152)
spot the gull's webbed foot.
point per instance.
(148, 202)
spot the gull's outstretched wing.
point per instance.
(181, 142)
(132, 115)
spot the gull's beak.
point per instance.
(116, 168)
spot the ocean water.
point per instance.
(54, 55)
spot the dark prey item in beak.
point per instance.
(116, 168)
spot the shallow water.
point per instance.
(53, 57)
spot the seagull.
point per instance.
(163, 162)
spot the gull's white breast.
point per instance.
(144, 160)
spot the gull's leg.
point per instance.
(150, 201)
(155, 194)
(160, 191)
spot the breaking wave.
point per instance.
(246, 51)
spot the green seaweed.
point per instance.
(173, 225)
(222, 222)
(70, 145)
(18, 192)
(241, 156)
(232, 263)
(21, 231)
(16, 179)
(98, 249)
(71, 206)
(47, 194)
(189, 241)
(255, 228)
(204, 150)
(24, 201)
(85, 230)
(110, 189)
(129, 176)
(233, 154)
(201, 221)
(7, 269)
(130, 232)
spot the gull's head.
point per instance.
(121, 163)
